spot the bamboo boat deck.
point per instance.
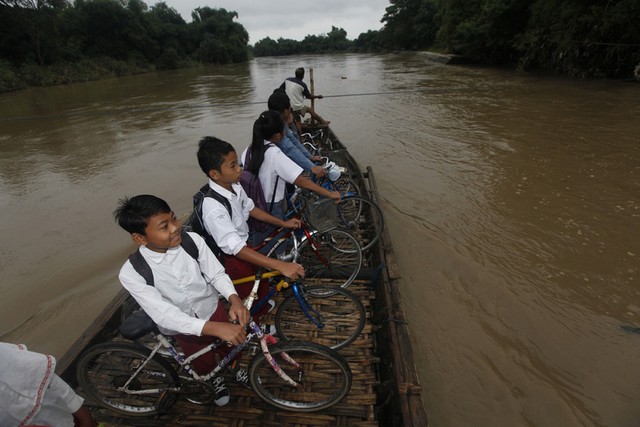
(385, 392)
(246, 409)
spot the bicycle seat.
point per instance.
(137, 325)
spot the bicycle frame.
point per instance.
(163, 342)
(296, 286)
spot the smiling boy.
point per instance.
(183, 300)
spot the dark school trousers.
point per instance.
(192, 343)
(238, 269)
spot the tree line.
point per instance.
(58, 41)
(580, 38)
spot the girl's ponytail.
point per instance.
(265, 127)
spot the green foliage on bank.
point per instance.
(48, 42)
(580, 38)
(583, 38)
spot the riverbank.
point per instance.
(14, 78)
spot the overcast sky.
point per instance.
(293, 19)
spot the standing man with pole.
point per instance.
(297, 91)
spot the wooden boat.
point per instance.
(386, 390)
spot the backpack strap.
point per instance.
(189, 245)
(247, 159)
(210, 192)
(142, 267)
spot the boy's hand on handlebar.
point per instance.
(319, 171)
(232, 333)
(293, 223)
(292, 270)
(335, 195)
(238, 312)
(316, 158)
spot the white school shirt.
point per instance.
(230, 234)
(185, 292)
(275, 164)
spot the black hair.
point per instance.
(211, 152)
(300, 73)
(265, 127)
(133, 213)
(279, 101)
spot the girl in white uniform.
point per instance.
(270, 164)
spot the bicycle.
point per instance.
(356, 213)
(327, 315)
(323, 250)
(133, 380)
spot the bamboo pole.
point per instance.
(311, 83)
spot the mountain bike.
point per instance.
(322, 249)
(357, 214)
(131, 379)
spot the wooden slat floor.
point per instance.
(246, 409)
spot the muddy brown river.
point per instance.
(513, 202)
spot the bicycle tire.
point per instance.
(335, 254)
(363, 218)
(104, 367)
(344, 184)
(340, 311)
(324, 377)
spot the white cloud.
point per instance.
(293, 19)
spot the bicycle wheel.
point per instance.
(104, 368)
(361, 217)
(323, 377)
(335, 255)
(339, 312)
(344, 184)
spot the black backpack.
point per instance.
(196, 224)
(141, 266)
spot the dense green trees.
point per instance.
(335, 41)
(574, 37)
(57, 41)
(584, 38)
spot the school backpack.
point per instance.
(141, 266)
(253, 187)
(196, 224)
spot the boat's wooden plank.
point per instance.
(91, 332)
(406, 377)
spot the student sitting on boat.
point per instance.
(264, 159)
(290, 144)
(228, 224)
(32, 394)
(297, 91)
(183, 300)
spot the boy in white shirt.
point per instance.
(219, 161)
(183, 300)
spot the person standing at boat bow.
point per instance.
(297, 91)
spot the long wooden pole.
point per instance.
(311, 82)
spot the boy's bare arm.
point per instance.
(289, 269)
(263, 216)
(83, 418)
